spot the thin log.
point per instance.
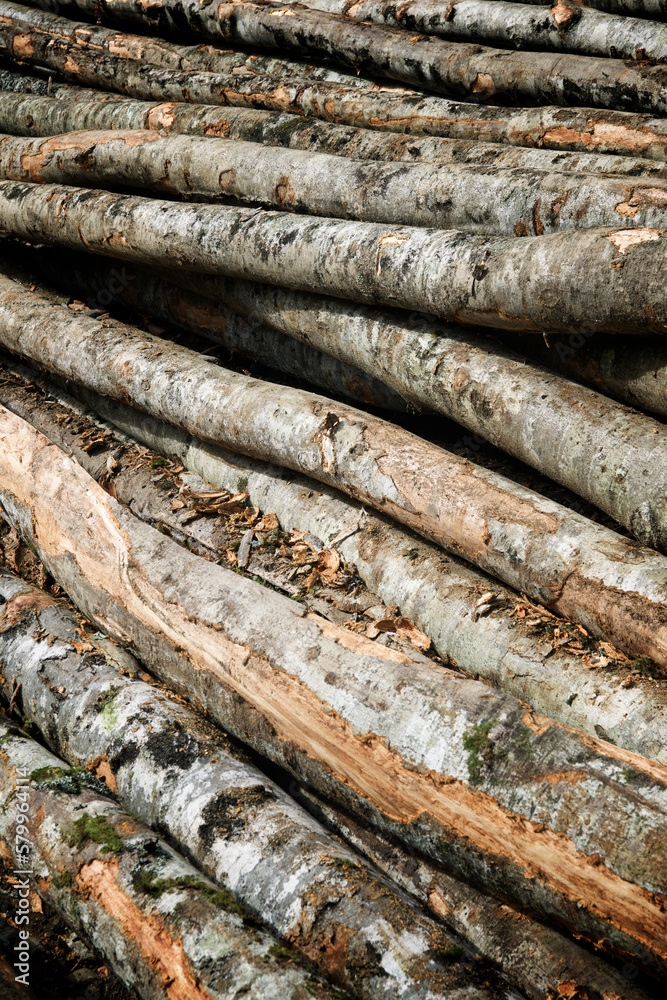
(483, 635)
(117, 884)
(563, 26)
(218, 809)
(546, 421)
(73, 109)
(499, 794)
(583, 130)
(568, 563)
(631, 371)
(457, 68)
(586, 280)
(467, 197)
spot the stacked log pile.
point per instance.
(333, 494)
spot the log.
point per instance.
(574, 281)
(468, 197)
(117, 884)
(583, 130)
(642, 8)
(573, 566)
(621, 367)
(550, 423)
(219, 810)
(502, 796)
(73, 109)
(597, 692)
(456, 68)
(563, 26)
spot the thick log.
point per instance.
(218, 809)
(642, 8)
(457, 68)
(482, 635)
(467, 197)
(624, 368)
(117, 884)
(587, 280)
(562, 26)
(568, 563)
(508, 799)
(73, 109)
(583, 130)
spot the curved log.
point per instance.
(467, 197)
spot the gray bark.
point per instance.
(483, 784)
(602, 451)
(562, 26)
(467, 197)
(439, 593)
(564, 561)
(586, 280)
(72, 109)
(457, 68)
(105, 874)
(175, 773)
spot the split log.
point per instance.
(583, 130)
(117, 885)
(563, 26)
(458, 68)
(470, 777)
(218, 809)
(467, 197)
(550, 423)
(575, 567)
(481, 635)
(585, 280)
(624, 368)
(73, 109)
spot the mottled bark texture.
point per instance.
(479, 634)
(585, 280)
(508, 799)
(560, 25)
(72, 109)
(624, 368)
(178, 775)
(457, 68)
(572, 565)
(468, 197)
(164, 929)
(583, 130)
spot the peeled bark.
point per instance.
(466, 197)
(598, 449)
(72, 109)
(422, 60)
(594, 279)
(632, 371)
(175, 773)
(568, 563)
(562, 26)
(451, 772)
(117, 885)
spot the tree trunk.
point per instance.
(73, 109)
(421, 60)
(642, 8)
(568, 563)
(583, 130)
(484, 636)
(283, 682)
(468, 197)
(551, 424)
(587, 280)
(217, 808)
(629, 370)
(563, 26)
(117, 885)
